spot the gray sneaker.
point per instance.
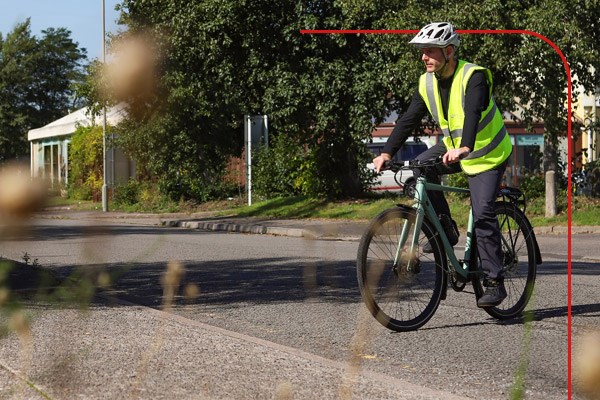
(495, 293)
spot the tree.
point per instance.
(525, 68)
(226, 59)
(324, 93)
(36, 83)
(15, 63)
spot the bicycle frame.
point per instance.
(424, 208)
(403, 286)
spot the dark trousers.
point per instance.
(484, 190)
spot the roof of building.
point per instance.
(67, 124)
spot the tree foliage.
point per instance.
(226, 59)
(528, 72)
(36, 83)
(324, 93)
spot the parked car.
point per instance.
(406, 181)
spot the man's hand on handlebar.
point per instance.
(455, 155)
(380, 160)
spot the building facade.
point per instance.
(587, 114)
(49, 147)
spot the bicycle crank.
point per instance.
(458, 282)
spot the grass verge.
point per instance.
(586, 211)
(304, 207)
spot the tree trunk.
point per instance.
(349, 178)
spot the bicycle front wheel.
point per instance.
(519, 264)
(401, 290)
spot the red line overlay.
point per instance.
(569, 133)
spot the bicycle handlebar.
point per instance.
(411, 164)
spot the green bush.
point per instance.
(593, 178)
(127, 193)
(533, 185)
(458, 180)
(142, 196)
(289, 168)
(86, 163)
(277, 170)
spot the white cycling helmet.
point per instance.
(438, 34)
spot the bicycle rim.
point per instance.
(519, 270)
(400, 296)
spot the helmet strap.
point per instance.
(441, 71)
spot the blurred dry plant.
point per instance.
(361, 340)
(19, 323)
(285, 391)
(358, 346)
(20, 195)
(132, 69)
(171, 281)
(586, 365)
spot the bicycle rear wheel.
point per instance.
(404, 295)
(518, 247)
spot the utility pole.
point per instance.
(593, 128)
(104, 152)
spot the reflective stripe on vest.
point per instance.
(492, 143)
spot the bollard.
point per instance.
(550, 193)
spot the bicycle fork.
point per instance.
(409, 255)
(412, 261)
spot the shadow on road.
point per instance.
(241, 282)
(235, 282)
(56, 232)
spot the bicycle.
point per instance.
(402, 286)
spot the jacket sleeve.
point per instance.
(476, 101)
(406, 124)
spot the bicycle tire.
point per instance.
(400, 300)
(519, 274)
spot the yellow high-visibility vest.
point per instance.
(492, 143)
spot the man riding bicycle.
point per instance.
(458, 95)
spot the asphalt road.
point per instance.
(275, 317)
